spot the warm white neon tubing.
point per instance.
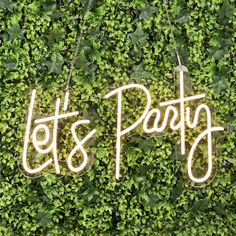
(26, 140)
(155, 127)
(53, 146)
(79, 146)
(119, 132)
(55, 157)
(207, 132)
(181, 101)
(186, 99)
(182, 127)
(37, 143)
(145, 117)
(209, 141)
(66, 101)
(184, 120)
(46, 131)
(46, 119)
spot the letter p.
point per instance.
(119, 132)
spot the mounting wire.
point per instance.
(78, 36)
(171, 32)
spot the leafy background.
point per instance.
(124, 41)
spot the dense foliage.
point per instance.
(124, 41)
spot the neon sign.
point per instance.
(53, 146)
(177, 120)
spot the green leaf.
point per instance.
(44, 217)
(220, 83)
(139, 72)
(7, 4)
(152, 200)
(182, 20)
(82, 61)
(56, 14)
(138, 3)
(219, 54)
(226, 11)
(201, 205)
(143, 195)
(147, 12)
(55, 65)
(220, 209)
(177, 190)
(15, 32)
(146, 144)
(139, 36)
(49, 5)
(95, 55)
(100, 11)
(11, 64)
(54, 36)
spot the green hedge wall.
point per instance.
(124, 42)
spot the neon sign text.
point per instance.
(184, 120)
(40, 124)
(177, 119)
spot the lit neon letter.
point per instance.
(26, 141)
(207, 132)
(79, 146)
(119, 132)
(155, 127)
(53, 146)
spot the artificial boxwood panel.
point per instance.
(123, 42)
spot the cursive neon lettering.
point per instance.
(40, 125)
(184, 122)
(79, 146)
(26, 141)
(119, 132)
(176, 115)
(207, 132)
